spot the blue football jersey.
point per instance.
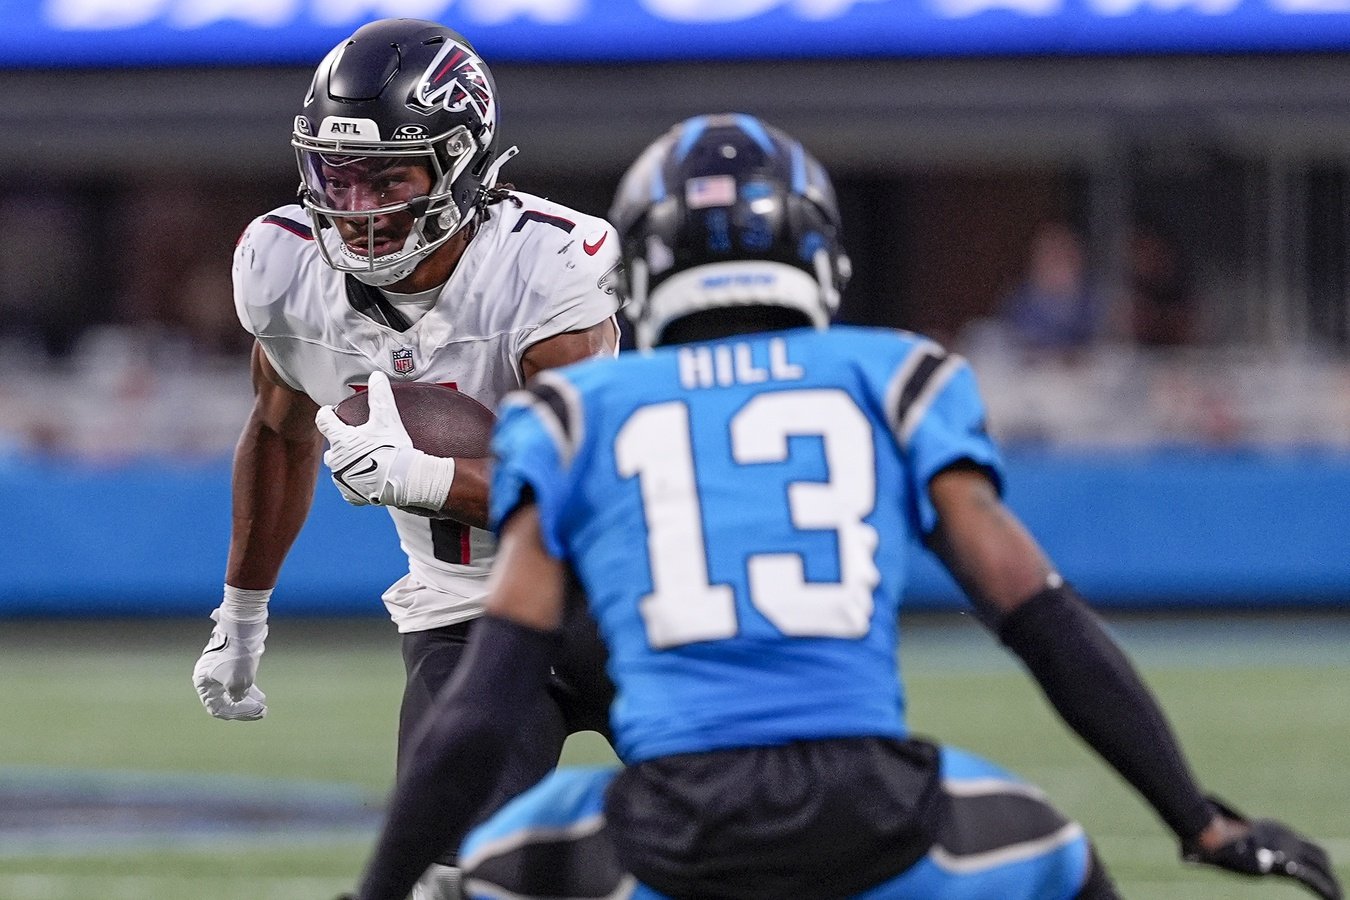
(739, 513)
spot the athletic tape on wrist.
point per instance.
(247, 607)
(429, 480)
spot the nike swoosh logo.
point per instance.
(224, 642)
(371, 466)
(592, 249)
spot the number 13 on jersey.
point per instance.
(655, 446)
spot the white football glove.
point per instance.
(376, 463)
(224, 674)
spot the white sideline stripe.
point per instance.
(977, 862)
(478, 888)
(517, 839)
(983, 787)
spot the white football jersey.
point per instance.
(531, 272)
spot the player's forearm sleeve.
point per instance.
(1093, 686)
(469, 729)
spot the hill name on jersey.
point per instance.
(723, 365)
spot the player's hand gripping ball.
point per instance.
(395, 445)
(439, 420)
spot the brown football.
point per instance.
(439, 419)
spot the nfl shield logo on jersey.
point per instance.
(403, 360)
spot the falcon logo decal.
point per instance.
(457, 80)
(607, 280)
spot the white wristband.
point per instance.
(244, 606)
(428, 481)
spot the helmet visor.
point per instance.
(376, 204)
(341, 185)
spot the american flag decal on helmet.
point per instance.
(457, 80)
(403, 360)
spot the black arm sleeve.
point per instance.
(469, 728)
(1093, 687)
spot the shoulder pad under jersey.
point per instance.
(272, 254)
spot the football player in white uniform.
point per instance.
(403, 259)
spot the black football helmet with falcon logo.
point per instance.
(397, 91)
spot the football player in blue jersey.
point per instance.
(736, 504)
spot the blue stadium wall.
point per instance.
(1156, 529)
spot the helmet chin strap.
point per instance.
(385, 277)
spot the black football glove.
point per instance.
(1270, 848)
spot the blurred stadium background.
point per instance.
(1132, 215)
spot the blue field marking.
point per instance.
(46, 811)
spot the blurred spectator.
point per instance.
(47, 292)
(1162, 302)
(1056, 306)
(177, 231)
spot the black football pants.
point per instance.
(578, 699)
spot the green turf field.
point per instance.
(1262, 704)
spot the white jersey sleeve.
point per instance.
(265, 273)
(584, 290)
(564, 267)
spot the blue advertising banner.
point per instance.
(1153, 530)
(109, 33)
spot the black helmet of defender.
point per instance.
(725, 211)
(399, 88)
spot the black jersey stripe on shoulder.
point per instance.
(926, 364)
(923, 373)
(534, 215)
(296, 228)
(553, 399)
(559, 408)
(371, 303)
(562, 401)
